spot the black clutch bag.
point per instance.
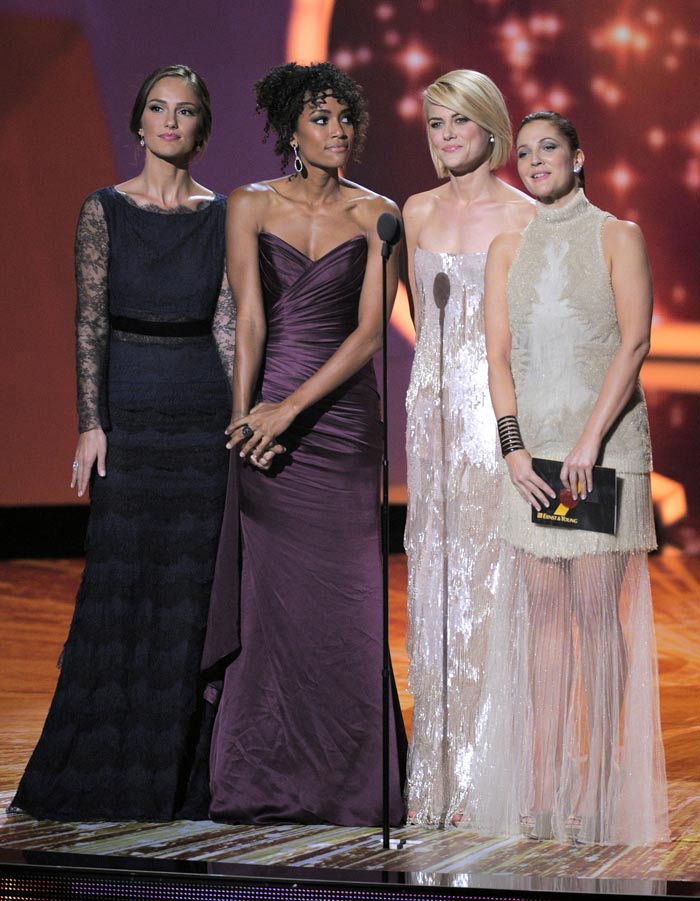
(597, 513)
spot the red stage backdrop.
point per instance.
(626, 73)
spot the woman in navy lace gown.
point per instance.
(298, 730)
(126, 735)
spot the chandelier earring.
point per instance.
(298, 165)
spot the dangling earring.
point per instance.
(142, 141)
(298, 165)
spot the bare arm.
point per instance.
(91, 336)
(498, 347)
(244, 279)
(412, 220)
(269, 420)
(623, 244)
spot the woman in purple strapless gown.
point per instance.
(298, 731)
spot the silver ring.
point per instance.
(247, 432)
(75, 464)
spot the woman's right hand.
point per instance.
(531, 487)
(92, 446)
(262, 459)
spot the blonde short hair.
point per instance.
(475, 96)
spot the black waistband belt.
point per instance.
(190, 329)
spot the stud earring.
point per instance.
(577, 169)
(298, 165)
(491, 139)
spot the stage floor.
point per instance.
(36, 599)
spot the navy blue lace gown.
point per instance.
(127, 735)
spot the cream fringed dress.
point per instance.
(450, 530)
(571, 691)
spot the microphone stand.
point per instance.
(389, 230)
(386, 661)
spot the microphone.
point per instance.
(389, 230)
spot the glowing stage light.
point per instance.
(344, 58)
(691, 177)
(414, 60)
(307, 30)
(679, 37)
(679, 294)
(656, 138)
(692, 137)
(668, 496)
(516, 44)
(558, 99)
(609, 93)
(545, 25)
(384, 12)
(652, 16)
(401, 315)
(622, 38)
(410, 107)
(621, 178)
(529, 90)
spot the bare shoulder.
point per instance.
(251, 203)
(418, 210)
(504, 247)
(621, 234)
(518, 206)
(367, 204)
(201, 192)
(420, 204)
(254, 194)
(131, 186)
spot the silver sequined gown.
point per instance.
(451, 544)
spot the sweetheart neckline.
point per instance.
(301, 252)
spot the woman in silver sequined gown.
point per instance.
(451, 436)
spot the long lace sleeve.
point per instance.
(224, 328)
(91, 315)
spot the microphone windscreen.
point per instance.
(389, 228)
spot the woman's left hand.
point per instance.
(256, 434)
(578, 467)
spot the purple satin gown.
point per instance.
(298, 731)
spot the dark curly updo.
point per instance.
(282, 92)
